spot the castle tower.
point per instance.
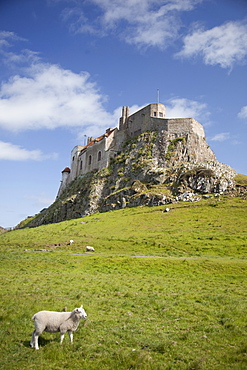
(64, 181)
(124, 118)
(74, 161)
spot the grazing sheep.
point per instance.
(89, 249)
(53, 322)
(71, 242)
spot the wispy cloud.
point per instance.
(223, 136)
(182, 107)
(13, 152)
(6, 38)
(224, 45)
(243, 113)
(23, 56)
(158, 23)
(143, 23)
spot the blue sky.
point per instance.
(68, 66)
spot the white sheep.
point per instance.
(89, 249)
(53, 322)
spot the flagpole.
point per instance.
(158, 95)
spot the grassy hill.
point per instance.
(163, 290)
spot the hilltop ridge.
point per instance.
(150, 171)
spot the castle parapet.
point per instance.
(184, 126)
(141, 120)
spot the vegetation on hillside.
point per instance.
(241, 179)
(148, 171)
(164, 290)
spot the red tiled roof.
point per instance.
(67, 169)
(107, 134)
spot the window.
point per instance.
(80, 165)
(90, 160)
(155, 114)
(99, 156)
(160, 114)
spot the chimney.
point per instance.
(124, 118)
(89, 139)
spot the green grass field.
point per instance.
(162, 290)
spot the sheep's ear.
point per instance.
(81, 306)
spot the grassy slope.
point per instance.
(187, 311)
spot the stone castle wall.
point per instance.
(95, 156)
(144, 120)
(98, 152)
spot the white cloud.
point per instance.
(6, 37)
(182, 108)
(46, 96)
(139, 22)
(221, 137)
(49, 97)
(243, 113)
(223, 45)
(10, 58)
(13, 152)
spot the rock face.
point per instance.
(152, 169)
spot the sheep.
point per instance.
(89, 249)
(52, 322)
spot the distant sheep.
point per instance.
(71, 242)
(89, 249)
(53, 322)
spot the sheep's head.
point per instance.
(81, 312)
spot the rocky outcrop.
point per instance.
(152, 169)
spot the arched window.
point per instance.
(90, 160)
(99, 156)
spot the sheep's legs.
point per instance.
(70, 336)
(61, 338)
(34, 340)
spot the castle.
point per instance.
(98, 151)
